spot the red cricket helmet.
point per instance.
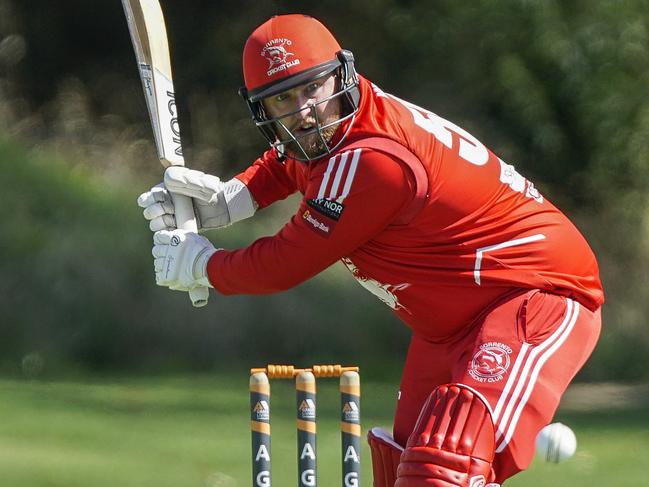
(287, 51)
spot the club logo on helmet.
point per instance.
(276, 53)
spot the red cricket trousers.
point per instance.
(520, 356)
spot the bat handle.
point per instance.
(199, 296)
(186, 220)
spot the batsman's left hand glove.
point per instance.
(217, 204)
(180, 259)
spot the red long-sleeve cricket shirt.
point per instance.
(422, 214)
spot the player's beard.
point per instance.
(316, 144)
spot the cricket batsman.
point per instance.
(500, 290)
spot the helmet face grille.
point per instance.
(290, 145)
(280, 137)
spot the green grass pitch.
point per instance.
(177, 432)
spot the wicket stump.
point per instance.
(305, 387)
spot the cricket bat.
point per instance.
(149, 36)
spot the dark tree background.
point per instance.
(557, 88)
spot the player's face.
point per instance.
(302, 104)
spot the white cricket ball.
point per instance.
(556, 443)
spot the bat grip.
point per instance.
(186, 220)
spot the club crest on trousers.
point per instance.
(491, 362)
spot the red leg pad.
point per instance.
(452, 444)
(385, 457)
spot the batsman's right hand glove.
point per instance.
(216, 204)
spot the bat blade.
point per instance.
(149, 37)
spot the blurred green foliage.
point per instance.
(78, 291)
(558, 89)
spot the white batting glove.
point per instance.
(180, 259)
(216, 204)
(158, 208)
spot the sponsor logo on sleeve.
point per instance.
(329, 208)
(316, 223)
